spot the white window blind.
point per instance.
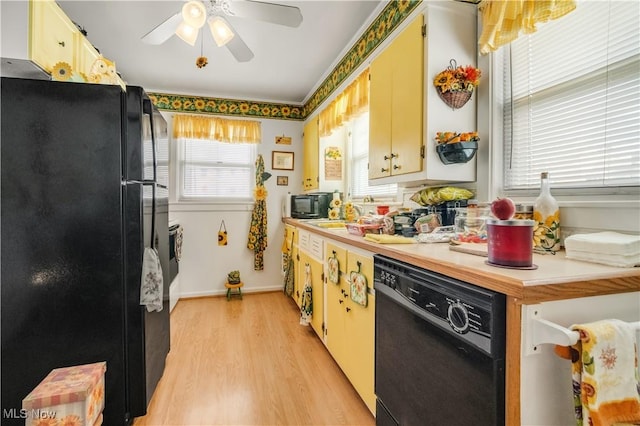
(217, 171)
(359, 162)
(572, 100)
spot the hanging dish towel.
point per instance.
(604, 375)
(389, 239)
(178, 243)
(151, 286)
(257, 239)
(306, 307)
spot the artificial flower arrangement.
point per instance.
(335, 207)
(455, 84)
(454, 137)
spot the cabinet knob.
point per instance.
(61, 43)
(383, 170)
(341, 301)
(396, 167)
(386, 157)
(348, 309)
(394, 155)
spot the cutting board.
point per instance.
(470, 248)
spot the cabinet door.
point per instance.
(380, 115)
(310, 171)
(360, 334)
(297, 275)
(86, 57)
(407, 100)
(396, 105)
(52, 35)
(336, 302)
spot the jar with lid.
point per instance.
(523, 212)
(469, 223)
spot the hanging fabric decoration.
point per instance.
(306, 307)
(257, 240)
(503, 21)
(222, 235)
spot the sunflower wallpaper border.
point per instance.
(388, 20)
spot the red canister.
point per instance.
(509, 242)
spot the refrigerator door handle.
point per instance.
(148, 109)
(137, 182)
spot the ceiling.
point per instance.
(288, 66)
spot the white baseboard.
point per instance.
(221, 292)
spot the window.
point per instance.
(359, 163)
(217, 171)
(571, 100)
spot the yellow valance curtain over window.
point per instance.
(503, 20)
(351, 102)
(218, 129)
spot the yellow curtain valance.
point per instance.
(503, 20)
(353, 101)
(218, 129)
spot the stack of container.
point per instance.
(71, 395)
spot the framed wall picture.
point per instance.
(283, 180)
(281, 160)
(283, 140)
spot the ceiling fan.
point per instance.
(195, 13)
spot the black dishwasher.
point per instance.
(440, 347)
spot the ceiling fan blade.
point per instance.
(289, 16)
(239, 48)
(164, 31)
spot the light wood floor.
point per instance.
(250, 362)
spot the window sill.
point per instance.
(211, 206)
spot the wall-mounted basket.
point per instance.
(457, 153)
(455, 84)
(455, 100)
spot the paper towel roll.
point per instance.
(286, 206)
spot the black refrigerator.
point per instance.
(84, 192)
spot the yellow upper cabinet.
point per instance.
(53, 36)
(405, 110)
(396, 105)
(310, 170)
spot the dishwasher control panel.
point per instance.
(474, 313)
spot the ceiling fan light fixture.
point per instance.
(220, 30)
(187, 33)
(194, 13)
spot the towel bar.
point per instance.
(541, 332)
(547, 332)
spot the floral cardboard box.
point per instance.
(72, 396)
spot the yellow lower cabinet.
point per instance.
(360, 328)
(351, 320)
(296, 275)
(336, 257)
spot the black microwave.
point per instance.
(311, 206)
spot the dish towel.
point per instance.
(306, 307)
(608, 248)
(604, 373)
(151, 286)
(178, 243)
(389, 239)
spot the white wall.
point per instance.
(204, 264)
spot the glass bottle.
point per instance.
(546, 214)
